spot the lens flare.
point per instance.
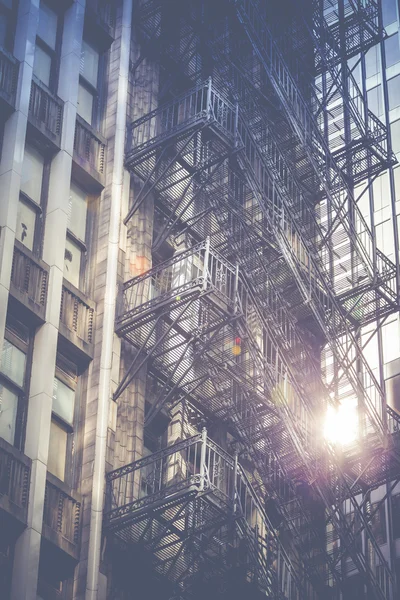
(341, 424)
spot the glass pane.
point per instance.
(26, 219)
(7, 3)
(57, 450)
(389, 12)
(32, 174)
(85, 104)
(395, 131)
(8, 414)
(47, 28)
(396, 173)
(63, 401)
(375, 100)
(394, 92)
(381, 190)
(72, 262)
(372, 61)
(77, 210)
(89, 63)
(13, 362)
(392, 50)
(42, 65)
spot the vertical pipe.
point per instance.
(203, 458)
(209, 105)
(235, 297)
(235, 491)
(206, 261)
(96, 510)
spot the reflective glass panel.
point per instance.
(394, 92)
(375, 100)
(89, 63)
(47, 28)
(392, 50)
(8, 414)
(13, 362)
(72, 262)
(32, 174)
(77, 210)
(389, 12)
(42, 65)
(85, 104)
(57, 450)
(26, 220)
(63, 401)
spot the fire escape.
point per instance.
(258, 164)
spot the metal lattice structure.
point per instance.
(257, 323)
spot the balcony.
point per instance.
(62, 522)
(77, 321)
(45, 115)
(29, 281)
(89, 156)
(15, 469)
(8, 82)
(189, 491)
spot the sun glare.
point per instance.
(341, 424)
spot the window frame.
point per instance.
(11, 15)
(96, 92)
(68, 373)
(54, 53)
(40, 209)
(22, 392)
(82, 244)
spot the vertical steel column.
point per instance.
(206, 266)
(203, 458)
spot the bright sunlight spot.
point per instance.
(341, 424)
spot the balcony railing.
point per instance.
(62, 511)
(76, 313)
(29, 277)
(8, 76)
(89, 147)
(15, 470)
(46, 110)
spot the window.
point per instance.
(30, 199)
(389, 12)
(395, 134)
(88, 83)
(372, 65)
(7, 21)
(61, 428)
(12, 382)
(394, 92)
(381, 191)
(44, 65)
(392, 50)
(375, 100)
(378, 523)
(75, 248)
(32, 174)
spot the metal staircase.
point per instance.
(236, 324)
(192, 506)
